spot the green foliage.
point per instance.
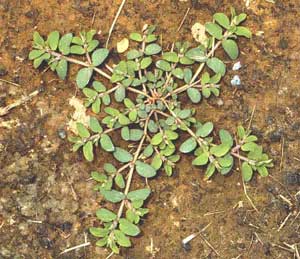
(146, 84)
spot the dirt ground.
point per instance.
(46, 200)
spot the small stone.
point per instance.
(292, 178)
(236, 81)
(237, 66)
(32, 14)
(46, 242)
(66, 226)
(187, 247)
(62, 133)
(275, 136)
(270, 120)
(283, 43)
(220, 102)
(3, 70)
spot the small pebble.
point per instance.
(237, 66)
(62, 133)
(235, 81)
(275, 136)
(292, 178)
(220, 102)
(3, 70)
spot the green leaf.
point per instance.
(263, 171)
(220, 150)
(222, 19)
(152, 49)
(214, 30)
(231, 48)
(99, 87)
(88, 151)
(216, 65)
(247, 172)
(83, 77)
(96, 105)
(184, 114)
(178, 72)
(64, 43)
(98, 177)
(171, 135)
(99, 56)
(122, 155)
(113, 195)
(226, 137)
(136, 134)
(105, 215)
(148, 151)
(125, 133)
(62, 69)
(121, 239)
(123, 120)
(90, 93)
(144, 169)
(98, 232)
(209, 171)
(196, 54)
(77, 40)
(157, 139)
(186, 61)
(95, 125)
(90, 34)
(206, 92)
(146, 62)
(187, 75)
(136, 36)
(243, 31)
(75, 49)
(109, 168)
(156, 162)
(38, 39)
(251, 138)
(133, 54)
(194, 95)
(171, 57)
(240, 18)
(188, 146)
(141, 194)
(102, 242)
(119, 180)
(53, 39)
(92, 45)
(38, 61)
(201, 160)
(151, 38)
(226, 161)
(35, 54)
(82, 130)
(128, 228)
(120, 94)
(163, 65)
(205, 130)
(168, 169)
(106, 143)
(241, 132)
(250, 146)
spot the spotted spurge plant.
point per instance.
(147, 84)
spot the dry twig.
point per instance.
(5, 110)
(114, 22)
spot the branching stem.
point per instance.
(131, 171)
(79, 62)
